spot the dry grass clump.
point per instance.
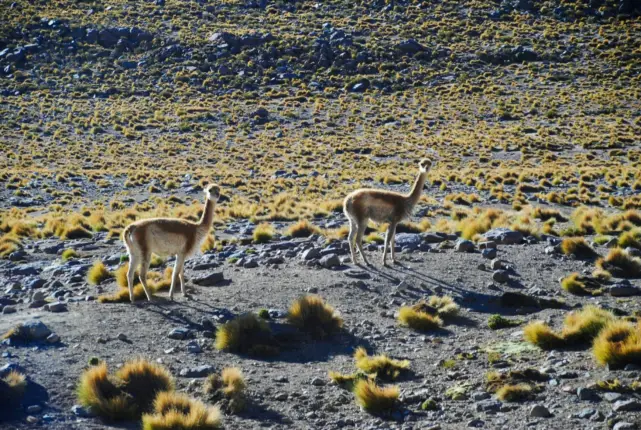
(98, 273)
(375, 399)
(263, 233)
(421, 321)
(178, 411)
(515, 385)
(497, 322)
(581, 285)
(545, 214)
(313, 315)
(630, 238)
(618, 344)
(228, 388)
(620, 264)
(380, 365)
(578, 247)
(579, 327)
(348, 381)
(302, 228)
(100, 393)
(428, 314)
(246, 334)
(127, 395)
(68, 254)
(619, 387)
(515, 393)
(12, 388)
(143, 381)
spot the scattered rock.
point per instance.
(500, 276)
(210, 280)
(504, 236)
(197, 372)
(539, 411)
(330, 260)
(463, 245)
(627, 405)
(56, 307)
(179, 333)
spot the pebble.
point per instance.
(281, 397)
(500, 276)
(489, 253)
(197, 372)
(627, 405)
(539, 411)
(318, 382)
(9, 310)
(56, 307)
(179, 333)
(587, 394)
(53, 338)
(34, 409)
(624, 425)
(122, 337)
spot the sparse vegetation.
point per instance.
(375, 399)
(228, 387)
(381, 366)
(418, 320)
(98, 273)
(578, 247)
(497, 322)
(246, 334)
(313, 315)
(618, 344)
(579, 328)
(620, 264)
(177, 411)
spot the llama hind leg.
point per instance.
(175, 277)
(133, 263)
(393, 242)
(144, 267)
(359, 240)
(351, 238)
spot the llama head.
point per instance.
(425, 164)
(212, 191)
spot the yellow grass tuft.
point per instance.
(313, 315)
(580, 285)
(302, 228)
(126, 395)
(380, 365)
(375, 399)
(621, 264)
(246, 334)
(578, 247)
(417, 320)
(580, 327)
(263, 233)
(515, 393)
(444, 305)
(618, 344)
(68, 254)
(228, 387)
(98, 273)
(143, 381)
(98, 392)
(12, 388)
(177, 411)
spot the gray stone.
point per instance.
(56, 307)
(624, 425)
(612, 397)
(627, 405)
(357, 274)
(434, 237)
(500, 276)
(587, 394)
(34, 409)
(496, 264)
(463, 245)
(179, 333)
(624, 290)
(197, 372)
(122, 337)
(281, 397)
(539, 411)
(9, 310)
(79, 411)
(53, 338)
(408, 239)
(586, 413)
(210, 280)
(36, 329)
(488, 406)
(310, 254)
(488, 244)
(318, 382)
(504, 236)
(330, 261)
(489, 253)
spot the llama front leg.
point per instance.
(393, 242)
(180, 267)
(387, 243)
(175, 277)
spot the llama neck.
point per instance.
(417, 190)
(207, 217)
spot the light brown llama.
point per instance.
(381, 206)
(167, 236)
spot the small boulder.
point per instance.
(463, 245)
(210, 280)
(539, 411)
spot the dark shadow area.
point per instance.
(35, 394)
(261, 413)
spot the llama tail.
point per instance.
(126, 235)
